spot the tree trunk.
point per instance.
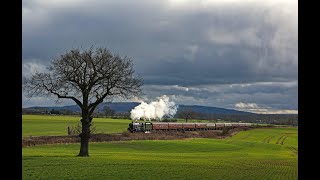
(84, 148)
(85, 136)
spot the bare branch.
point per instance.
(88, 75)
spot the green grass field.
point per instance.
(46, 125)
(55, 125)
(255, 154)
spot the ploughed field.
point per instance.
(269, 153)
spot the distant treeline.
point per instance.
(278, 119)
(284, 119)
(45, 111)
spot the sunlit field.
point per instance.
(48, 125)
(269, 153)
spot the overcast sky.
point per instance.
(225, 53)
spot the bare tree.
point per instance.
(87, 77)
(186, 114)
(109, 112)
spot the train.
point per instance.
(167, 126)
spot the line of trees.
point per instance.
(280, 119)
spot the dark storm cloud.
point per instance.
(176, 42)
(232, 67)
(276, 95)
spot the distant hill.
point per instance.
(212, 110)
(121, 107)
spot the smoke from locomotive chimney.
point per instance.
(154, 110)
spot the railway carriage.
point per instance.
(163, 126)
(234, 125)
(175, 126)
(219, 125)
(189, 126)
(211, 126)
(201, 126)
(160, 126)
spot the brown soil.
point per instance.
(127, 136)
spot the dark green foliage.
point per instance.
(169, 120)
(225, 131)
(75, 129)
(109, 112)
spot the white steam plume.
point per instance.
(155, 109)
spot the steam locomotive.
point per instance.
(164, 126)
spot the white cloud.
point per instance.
(45, 101)
(285, 111)
(246, 105)
(30, 68)
(253, 107)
